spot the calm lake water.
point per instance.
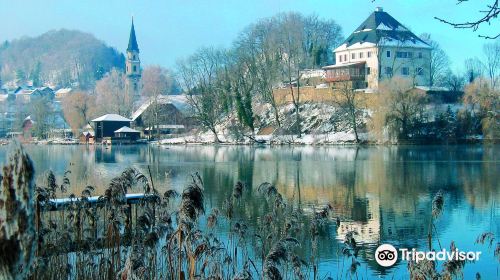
(384, 193)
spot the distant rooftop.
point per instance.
(126, 129)
(111, 118)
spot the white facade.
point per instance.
(384, 62)
(380, 49)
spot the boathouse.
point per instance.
(105, 126)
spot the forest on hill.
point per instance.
(60, 58)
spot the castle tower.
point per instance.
(133, 66)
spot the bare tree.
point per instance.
(473, 68)
(78, 108)
(401, 106)
(157, 84)
(350, 101)
(454, 82)
(291, 50)
(242, 74)
(439, 62)
(484, 102)
(490, 13)
(311, 45)
(44, 116)
(111, 96)
(259, 40)
(492, 53)
(199, 75)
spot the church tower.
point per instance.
(133, 66)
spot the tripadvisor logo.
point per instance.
(386, 255)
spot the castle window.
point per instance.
(353, 55)
(134, 68)
(360, 55)
(340, 58)
(345, 57)
(405, 71)
(388, 53)
(369, 54)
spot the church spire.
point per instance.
(132, 41)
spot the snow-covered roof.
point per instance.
(63, 90)
(179, 101)
(25, 92)
(126, 129)
(433, 88)
(380, 28)
(111, 118)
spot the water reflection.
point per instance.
(382, 193)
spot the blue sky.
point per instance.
(171, 29)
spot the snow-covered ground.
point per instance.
(322, 124)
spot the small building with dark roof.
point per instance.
(87, 137)
(105, 126)
(128, 134)
(380, 48)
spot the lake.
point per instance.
(384, 193)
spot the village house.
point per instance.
(106, 126)
(380, 48)
(127, 135)
(158, 116)
(29, 95)
(63, 92)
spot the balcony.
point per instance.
(345, 72)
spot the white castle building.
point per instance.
(380, 48)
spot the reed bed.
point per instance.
(172, 235)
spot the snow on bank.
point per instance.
(321, 124)
(306, 139)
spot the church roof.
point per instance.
(132, 41)
(380, 28)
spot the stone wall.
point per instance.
(311, 94)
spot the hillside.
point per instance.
(62, 58)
